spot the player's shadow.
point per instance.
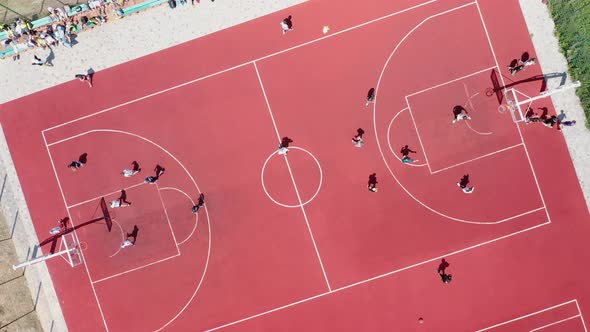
(133, 234)
(373, 179)
(443, 266)
(83, 158)
(458, 109)
(464, 181)
(545, 112)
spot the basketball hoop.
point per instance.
(502, 109)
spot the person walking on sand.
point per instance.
(460, 113)
(372, 185)
(85, 78)
(287, 25)
(463, 184)
(357, 139)
(406, 159)
(38, 62)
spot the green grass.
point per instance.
(572, 26)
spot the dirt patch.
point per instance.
(17, 306)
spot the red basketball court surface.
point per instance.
(297, 242)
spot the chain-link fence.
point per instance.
(30, 9)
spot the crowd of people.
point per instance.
(61, 28)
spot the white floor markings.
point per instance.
(293, 180)
(431, 260)
(516, 124)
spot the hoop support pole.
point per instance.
(42, 258)
(551, 92)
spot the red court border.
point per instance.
(253, 62)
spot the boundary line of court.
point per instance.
(244, 64)
(581, 316)
(376, 277)
(555, 323)
(293, 179)
(535, 313)
(516, 124)
(75, 233)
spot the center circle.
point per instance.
(276, 155)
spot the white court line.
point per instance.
(122, 238)
(453, 80)
(418, 134)
(245, 63)
(293, 180)
(516, 124)
(192, 180)
(134, 269)
(477, 158)
(555, 323)
(193, 204)
(72, 221)
(375, 120)
(168, 219)
(389, 143)
(435, 259)
(581, 316)
(109, 194)
(526, 316)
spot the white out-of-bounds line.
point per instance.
(105, 195)
(72, 221)
(382, 276)
(418, 134)
(555, 323)
(451, 81)
(168, 219)
(244, 64)
(477, 158)
(516, 124)
(526, 316)
(581, 315)
(293, 180)
(134, 269)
